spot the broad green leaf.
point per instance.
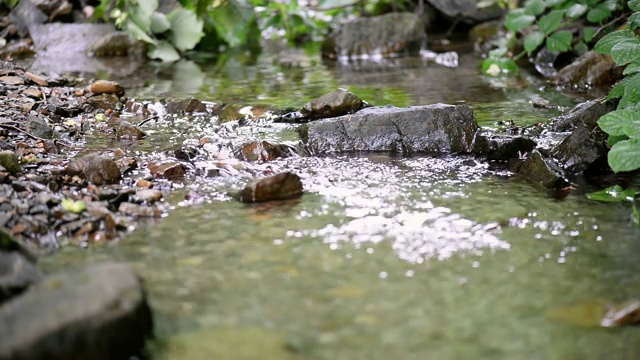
(612, 194)
(576, 10)
(614, 139)
(495, 67)
(518, 20)
(608, 41)
(550, 22)
(632, 68)
(532, 41)
(551, 3)
(626, 51)
(159, 23)
(634, 21)
(560, 41)
(625, 155)
(631, 95)
(163, 51)
(617, 122)
(535, 7)
(599, 13)
(73, 206)
(186, 29)
(618, 89)
(634, 5)
(231, 22)
(581, 48)
(589, 33)
(137, 33)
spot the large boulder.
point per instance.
(98, 312)
(17, 274)
(378, 36)
(437, 128)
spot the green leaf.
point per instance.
(612, 194)
(589, 33)
(159, 23)
(618, 89)
(620, 122)
(632, 68)
(498, 53)
(73, 206)
(550, 22)
(614, 139)
(634, 21)
(610, 40)
(137, 33)
(186, 29)
(231, 22)
(535, 7)
(576, 10)
(634, 5)
(495, 67)
(625, 51)
(625, 155)
(532, 41)
(163, 51)
(517, 20)
(560, 41)
(581, 48)
(599, 13)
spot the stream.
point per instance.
(384, 257)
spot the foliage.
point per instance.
(550, 23)
(75, 207)
(166, 35)
(618, 194)
(623, 124)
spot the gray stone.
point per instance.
(541, 170)
(17, 273)
(466, 10)
(98, 312)
(384, 36)
(437, 128)
(586, 113)
(39, 127)
(582, 148)
(502, 146)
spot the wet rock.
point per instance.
(97, 312)
(188, 106)
(167, 170)
(104, 102)
(585, 114)
(585, 146)
(11, 80)
(277, 187)
(139, 211)
(437, 128)
(263, 151)
(591, 68)
(118, 43)
(622, 315)
(39, 127)
(9, 161)
(127, 131)
(95, 168)
(148, 196)
(541, 170)
(126, 164)
(466, 10)
(502, 147)
(17, 274)
(337, 103)
(107, 87)
(381, 36)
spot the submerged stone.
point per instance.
(97, 312)
(95, 168)
(378, 36)
(437, 128)
(281, 186)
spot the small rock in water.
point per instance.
(9, 161)
(127, 131)
(625, 314)
(281, 186)
(107, 87)
(334, 104)
(168, 170)
(95, 168)
(263, 151)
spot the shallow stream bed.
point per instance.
(383, 257)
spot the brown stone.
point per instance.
(11, 80)
(33, 93)
(139, 210)
(95, 168)
(281, 186)
(40, 80)
(147, 196)
(169, 169)
(127, 131)
(107, 87)
(262, 151)
(142, 183)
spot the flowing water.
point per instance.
(384, 257)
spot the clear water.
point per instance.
(383, 257)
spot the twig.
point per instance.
(149, 119)
(608, 24)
